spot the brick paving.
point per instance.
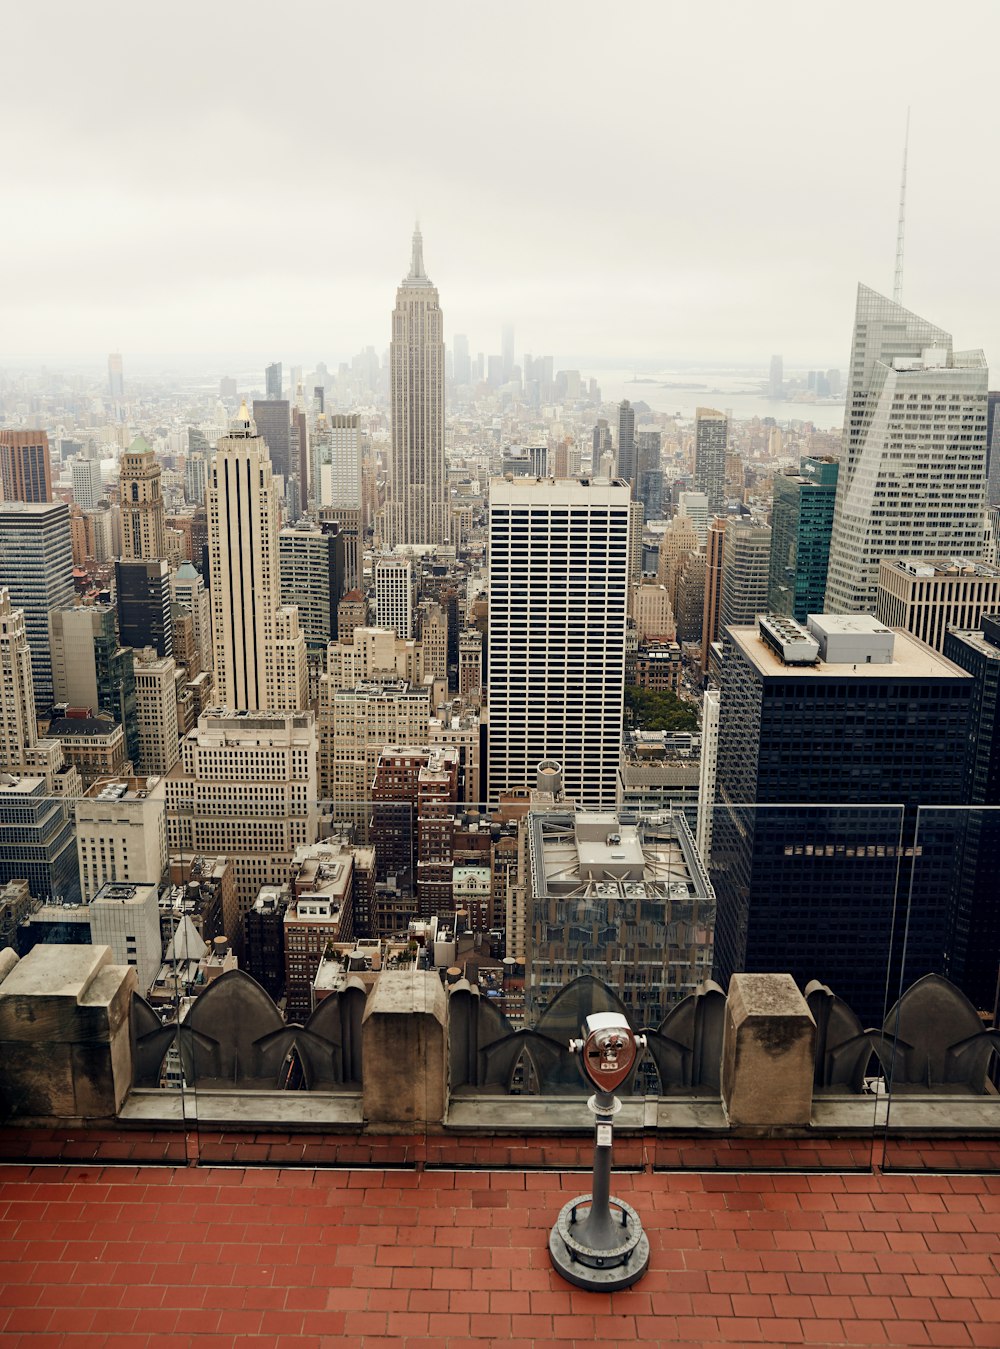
(209, 1257)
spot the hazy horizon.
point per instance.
(661, 183)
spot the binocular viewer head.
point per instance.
(609, 1049)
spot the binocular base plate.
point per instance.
(600, 1270)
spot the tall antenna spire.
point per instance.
(897, 287)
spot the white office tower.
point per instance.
(187, 588)
(394, 594)
(121, 833)
(336, 455)
(259, 652)
(559, 554)
(417, 511)
(693, 506)
(912, 481)
(88, 485)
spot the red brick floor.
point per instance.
(154, 1258)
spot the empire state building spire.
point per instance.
(417, 511)
(417, 276)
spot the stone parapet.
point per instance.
(768, 1052)
(405, 1033)
(64, 1035)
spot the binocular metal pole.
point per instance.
(597, 1241)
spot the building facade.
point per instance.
(25, 467)
(144, 530)
(558, 566)
(36, 566)
(711, 439)
(801, 522)
(829, 741)
(927, 596)
(913, 479)
(260, 654)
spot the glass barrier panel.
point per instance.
(941, 1050)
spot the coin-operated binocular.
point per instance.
(597, 1241)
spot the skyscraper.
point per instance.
(776, 378)
(336, 455)
(25, 470)
(507, 350)
(711, 436)
(801, 521)
(18, 730)
(394, 594)
(260, 654)
(462, 360)
(36, 565)
(272, 382)
(312, 579)
(116, 378)
(627, 466)
(144, 532)
(746, 558)
(913, 482)
(274, 426)
(88, 484)
(559, 555)
(977, 943)
(418, 505)
(714, 549)
(846, 712)
(142, 597)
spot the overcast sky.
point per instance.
(624, 183)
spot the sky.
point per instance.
(634, 185)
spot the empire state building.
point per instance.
(417, 511)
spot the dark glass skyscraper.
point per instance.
(274, 426)
(801, 521)
(711, 438)
(142, 593)
(627, 467)
(821, 769)
(977, 955)
(272, 382)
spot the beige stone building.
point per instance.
(259, 652)
(156, 710)
(121, 833)
(926, 596)
(246, 788)
(653, 613)
(143, 517)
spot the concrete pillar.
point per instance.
(65, 1052)
(405, 1052)
(768, 1050)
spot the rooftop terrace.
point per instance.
(305, 1259)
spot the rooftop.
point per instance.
(912, 659)
(101, 1255)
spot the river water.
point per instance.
(739, 394)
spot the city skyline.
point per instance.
(761, 235)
